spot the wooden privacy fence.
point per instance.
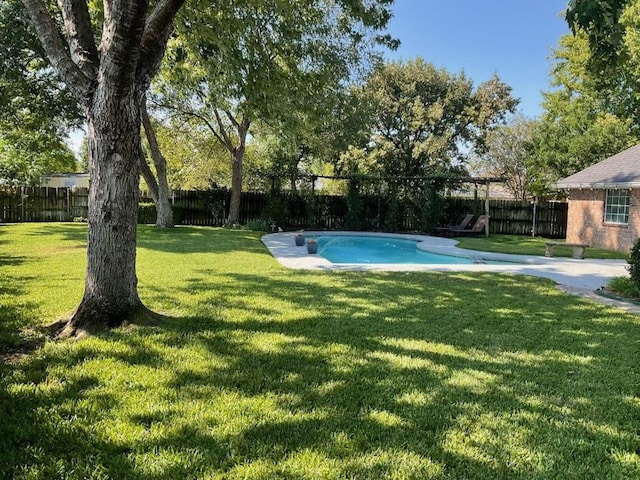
(42, 204)
(544, 218)
(294, 211)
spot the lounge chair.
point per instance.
(464, 224)
(477, 228)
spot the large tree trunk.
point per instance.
(149, 178)
(160, 189)
(164, 218)
(111, 297)
(236, 185)
(109, 83)
(237, 154)
(159, 192)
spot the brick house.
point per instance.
(604, 202)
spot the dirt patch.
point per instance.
(14, 353)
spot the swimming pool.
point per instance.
(589, 274)
(380, 250)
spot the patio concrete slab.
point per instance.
(578, 276)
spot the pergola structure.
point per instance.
(475, 180)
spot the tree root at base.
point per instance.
(89, 319)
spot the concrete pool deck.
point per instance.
(577, 276)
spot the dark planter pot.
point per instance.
(299, 240)
(312, 246)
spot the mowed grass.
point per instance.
(259, 372)
(521, 245)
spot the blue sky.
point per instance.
(513, 38)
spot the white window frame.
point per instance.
(616, 206)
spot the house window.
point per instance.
(616, 208)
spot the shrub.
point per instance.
(624, 287)
(276, 209)
(178, 214)
(146, 213)
(634, 264)
(258, 225)
(353, 219)
(392, 218)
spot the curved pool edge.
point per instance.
(587, 274)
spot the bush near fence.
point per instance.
(291, 210)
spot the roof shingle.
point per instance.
(620, 171)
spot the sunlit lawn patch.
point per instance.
(522, 245)
(260, 372)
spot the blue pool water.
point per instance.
(354, 249)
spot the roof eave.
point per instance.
(596, 186)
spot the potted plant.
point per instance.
(299, 239)
(312, 245)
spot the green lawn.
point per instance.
(259, 372)
(529, 246)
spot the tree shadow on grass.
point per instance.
(7, 258)
(339, 375)
(19, 332)
(15, 335)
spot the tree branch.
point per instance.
(80, 85)
(154, 40)
(227, 141)
(120, 44)
(150, 60)
(158, 21)
(145, 170)
(231, 118)
(149, 178)
(82, 46)
(204, 120)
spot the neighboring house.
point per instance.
(68, 180)
(604, 202)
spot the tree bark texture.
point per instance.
(237, 155)
(164, 214)
(111, 294)
(149, 178)
(110, 87)
(236, 186)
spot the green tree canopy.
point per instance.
(600, 20)
(36, 110)
(25, 157)
(424, 120)
(509, 155)
(281, 63)
(584, 119)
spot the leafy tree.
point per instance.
(600, 20)
(584, 119)
(423, 121)
(424, 118)
(108, 85)
(508, 154)
(310, 149)
(630, 20)
(26, 156)
(36, 109)
(197, 161)
(275, 61)
(613, 58)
